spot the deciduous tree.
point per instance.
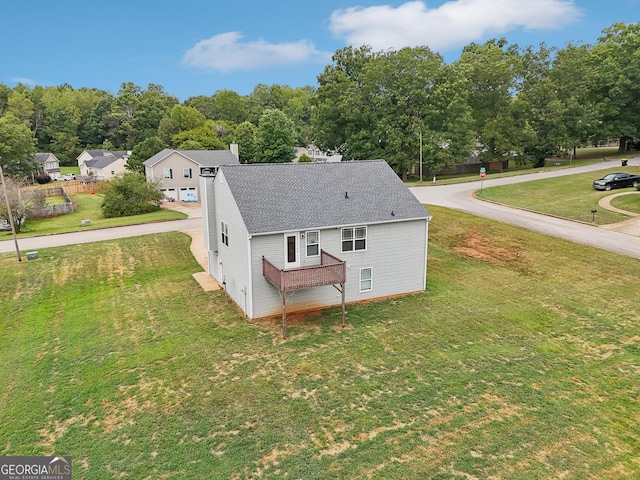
(17, 147)
(275, 138)
(23, 202)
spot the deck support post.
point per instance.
(343, 296)
(284, 313)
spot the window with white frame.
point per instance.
(312, 240)
(224, 229)
(186, 172)
(167, 173)
(366, 279)
(354, 238)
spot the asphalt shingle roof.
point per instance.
(204, 158)
(100, 162)
(293, 196)
(42, 158)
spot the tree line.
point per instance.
(497, 101)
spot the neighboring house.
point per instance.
(178, 171)
(317, 155)
(275, 229)
(49, 164)
(103, 164)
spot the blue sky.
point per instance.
(196, 47)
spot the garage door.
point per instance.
(170, 194)
(188, 194)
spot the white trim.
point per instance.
(370, 280)
(354, 239)
(296, 237)
(249, 286)
(306, 237)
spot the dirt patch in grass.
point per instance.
(474, 246)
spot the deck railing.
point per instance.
(331, 271)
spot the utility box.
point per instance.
(32, 255)
(85, 223)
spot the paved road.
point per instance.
(34, 243)
(459, 197)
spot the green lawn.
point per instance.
(630, 203)
(87, 207)
(64, 170)
(520, 361)
(571, 196)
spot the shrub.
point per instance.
(130, 194)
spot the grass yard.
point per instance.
(571, 196)
(521, 361)
(87, 207)
(630, 203)
(55, 200)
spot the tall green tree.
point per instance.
(153, 105)
(490, 70)
(540, 109)
(377, 105)
(62, 117)
(17, 147)
(616, 63)
(275, 138)
(142, 152)
(205, 137)
(21, 107)
(179, 119)
(246, 138)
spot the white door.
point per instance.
(291, 250)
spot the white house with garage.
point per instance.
(304, 236)
(179, 170)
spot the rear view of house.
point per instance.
(303, 236)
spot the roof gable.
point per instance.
(291, 196)
(203, 158)
(44, 157)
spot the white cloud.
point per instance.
(227, 52)
(25, 81)
(451, 25)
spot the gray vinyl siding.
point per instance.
(395, 251)
(234, 258)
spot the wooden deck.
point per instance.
(331, 271)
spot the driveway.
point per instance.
(460, 197)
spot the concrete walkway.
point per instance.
(194, 210)
(630, 226)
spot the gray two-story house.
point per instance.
(304, 236)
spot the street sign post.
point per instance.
(483, 172)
